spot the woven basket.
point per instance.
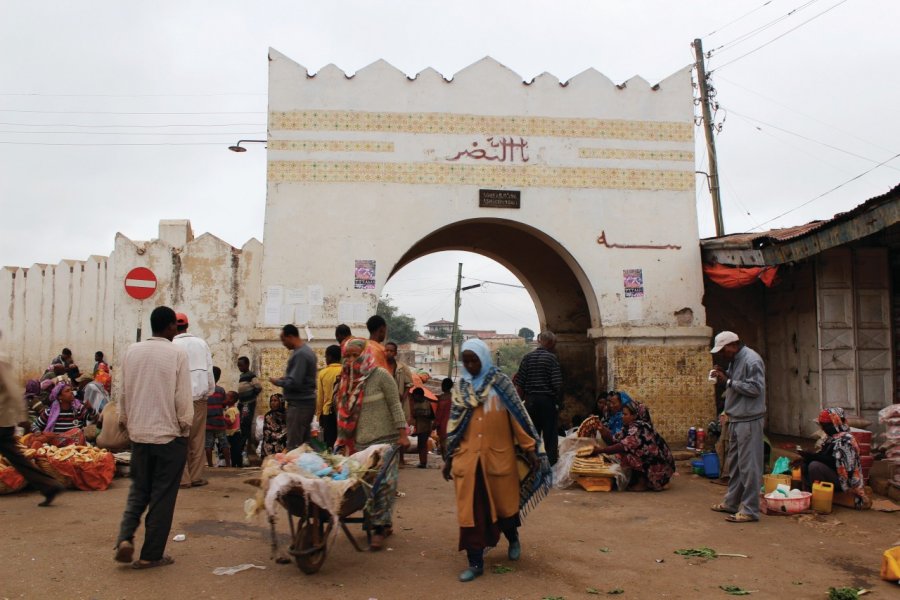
(47, 467)
(7, 489)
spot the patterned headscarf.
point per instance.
(32, 388)
(836, 417)
(639, 410)
(55, 407)
(354, 374)
(104, 379)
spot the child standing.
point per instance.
(233, 429)
(215, 422)
(443, 413)
(424, 416)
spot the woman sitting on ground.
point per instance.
(274, 437)
(368, 413)
(837, 462)
(65, 414)
(640, 448)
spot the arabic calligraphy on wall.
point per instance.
(603, 242)
(484, 175)
(502, 149)
(443, 123)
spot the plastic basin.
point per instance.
(788, 505)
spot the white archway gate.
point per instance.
(584, 189)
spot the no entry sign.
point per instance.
(140, 283)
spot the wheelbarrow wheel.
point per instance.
(311, 547)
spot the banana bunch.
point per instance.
(78, 454)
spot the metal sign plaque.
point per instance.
(499, 199)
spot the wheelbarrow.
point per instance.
(311, 525)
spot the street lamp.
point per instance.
(238, 148)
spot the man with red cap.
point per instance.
(745, 411)
(202, 385)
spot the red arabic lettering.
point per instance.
(507, 149)
(602, 241)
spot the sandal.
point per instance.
(199, 483)
(164, 561)
(722, 508)
(740, 518)
(124, 552)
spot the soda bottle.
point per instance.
(692, 438)
(701, 437)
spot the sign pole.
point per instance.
(140, 319)
(140, 284)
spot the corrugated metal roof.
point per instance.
(775, 236)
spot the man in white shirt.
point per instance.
(156, 410)
(202, 385)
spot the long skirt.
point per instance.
(485, 533)
(383, 500)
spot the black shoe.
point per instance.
(49, 495)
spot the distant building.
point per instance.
(432, 351)
(439, 329)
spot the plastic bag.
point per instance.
(782, 465)
(891, 411)
(258, 430)
(235, 569)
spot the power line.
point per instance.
(803, 137)
(112, 143)
(229, 133)
(512, 285)
(778, 37)
(793, 109)
(753, 32)
(134, 126)
(837, 187)
(212, 95)
(105, 112)
(729, 23)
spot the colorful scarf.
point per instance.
(536, 484)
(615, 424)
(55, 408)
(351, 393)
(845, 449)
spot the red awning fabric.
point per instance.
(737, 277)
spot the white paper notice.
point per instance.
(272, 316)
(301, 314)
(274, 295)
(345, 312)
(316, 295)
(295, 296)
(287, 313)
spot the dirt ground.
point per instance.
(575, 545)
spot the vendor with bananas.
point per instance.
(65, 412)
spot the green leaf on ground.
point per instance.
(846, 593)
(605, 550)
(501, 569)
(700, 552)
(616, 591)
(592, 591)
(734, 590)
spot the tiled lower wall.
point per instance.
(671, 381)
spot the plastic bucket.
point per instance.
(770, 482)
(697, 467)
(711, 465)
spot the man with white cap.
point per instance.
(745, 411)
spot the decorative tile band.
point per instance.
(450, 123)
(628, 154)
(287, 171)
(331, 145)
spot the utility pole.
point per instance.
(710, 141)
(455, 331)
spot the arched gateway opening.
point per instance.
(558, 286)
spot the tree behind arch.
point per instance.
(401, 328)
(527, 334)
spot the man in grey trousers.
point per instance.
(299, 384)
(745, 411)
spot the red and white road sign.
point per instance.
(140, 283)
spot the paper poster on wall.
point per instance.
(295, 296)
(274, 295)
(287, 314)
(633, 280)
(272, 316)
(301, 314)
(352, 312)
(364, 275)
(316, 295)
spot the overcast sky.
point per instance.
(803, 113)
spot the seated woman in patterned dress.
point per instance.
(640, 448)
